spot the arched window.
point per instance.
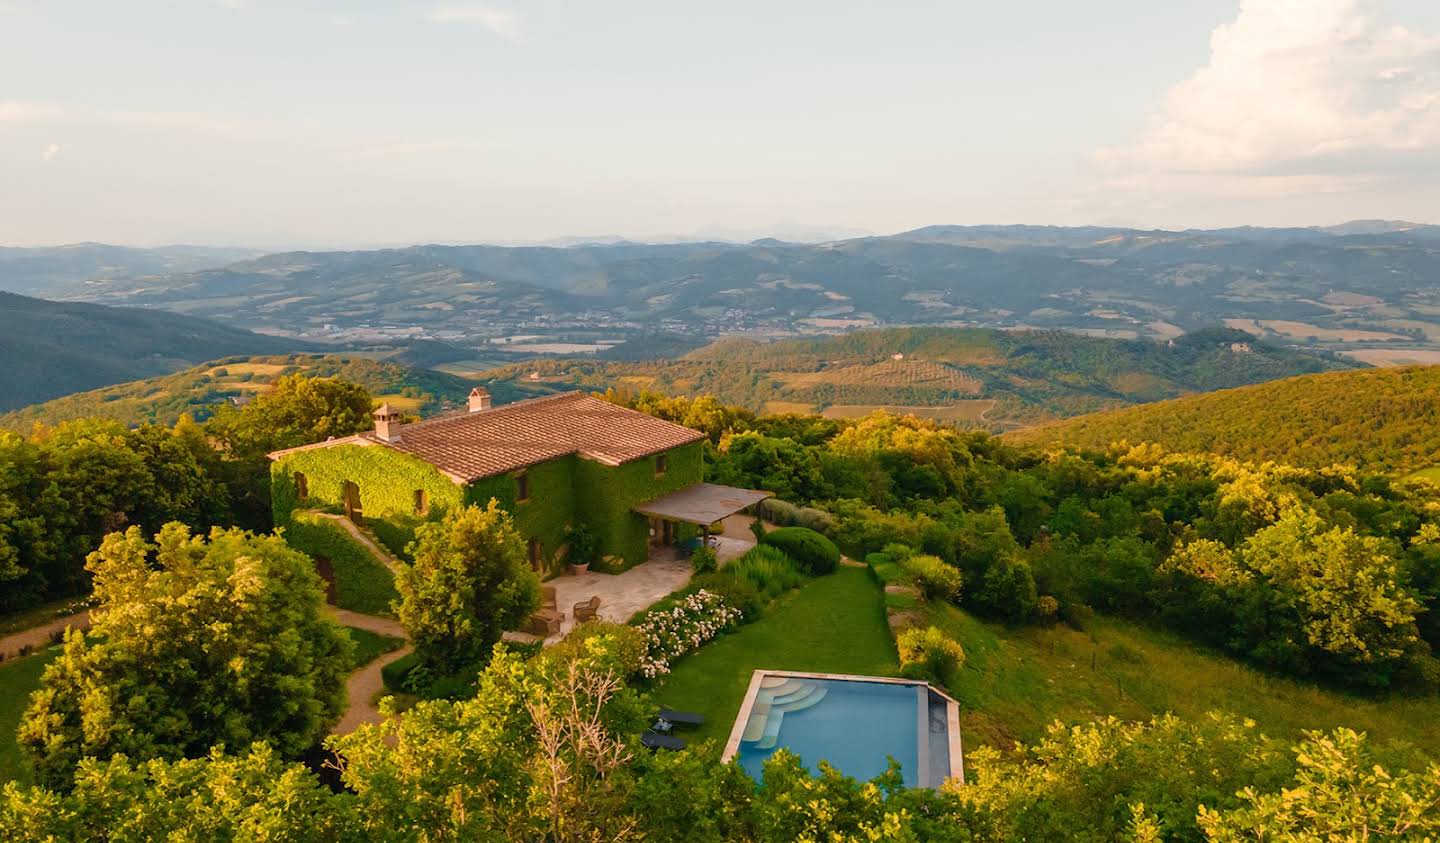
(302, 486)
(536, 554)
(422, 502)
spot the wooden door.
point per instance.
(353, 510)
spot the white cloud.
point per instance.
(1297, 96)
(51, 150)
(503, 23)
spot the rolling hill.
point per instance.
(40, 271)
(163, 399)
(1378, 419)
(988, 378)
(1365, 287)
(49, 349)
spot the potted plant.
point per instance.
(583, 548)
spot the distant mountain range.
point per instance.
(1370, 287)
(44, 271)
(986, 378)
(49, 349)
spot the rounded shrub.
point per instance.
(935, 579)
(928, 654)
(814, 553)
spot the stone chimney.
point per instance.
(387, 423)
(479, 399)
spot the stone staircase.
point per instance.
(778, 695)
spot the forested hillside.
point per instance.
(985, 378)
(1380, 419)
(49, 349)
(161, 400)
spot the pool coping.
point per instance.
(952, 710)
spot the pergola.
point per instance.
(702, 504)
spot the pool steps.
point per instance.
(777, 696)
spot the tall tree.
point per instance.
(215, 642)
(470, 582)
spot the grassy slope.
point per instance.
(1016, 681)
(49, 349)
(1383, 419)
(162, 399)
(18, 678)
(833, 624)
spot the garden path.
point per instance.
(362, 687)
(38, 637)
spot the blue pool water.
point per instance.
(852, 724)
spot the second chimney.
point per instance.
(387, 419)
(479, 399)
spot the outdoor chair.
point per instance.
(655, 740)
(544, 623)
(589, 610)
(681, 718)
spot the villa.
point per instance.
(554, 463)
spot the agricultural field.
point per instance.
(1395, 356)
(972, 410)
(1302, 331)
(918, 373)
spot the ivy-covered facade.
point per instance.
(392, 492)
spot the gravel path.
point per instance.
(364, 684)
(38, 637)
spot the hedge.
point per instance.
(362, 582)
(814, 553)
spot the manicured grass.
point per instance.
(831, 624)
(370, 646)
(18, 678)
(1016, 681)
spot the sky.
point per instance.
(285, 123)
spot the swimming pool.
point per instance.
(853, 722)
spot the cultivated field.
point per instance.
(901, 373)
(972, 410)
(1396, 356)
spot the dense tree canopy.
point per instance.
(195, 643)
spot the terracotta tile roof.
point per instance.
(469, 446)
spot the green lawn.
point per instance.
(1016, 681)
(1431, 473)
(832, 624)
(18, 677)
(370, 646)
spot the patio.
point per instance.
(622, 595)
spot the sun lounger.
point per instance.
(654, 740)
(681, 718)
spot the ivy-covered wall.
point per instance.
(362, 583)
(605, 496)
(388, 480)
(546, 514)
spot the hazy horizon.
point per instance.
(250, 123)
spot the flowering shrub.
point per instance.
(672, 632)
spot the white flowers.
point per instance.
(671, 633)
